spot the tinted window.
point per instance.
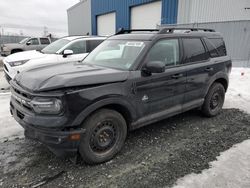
(34, 41)
(166, 51)
(44, 41)
(92, 44)
(212, 49)
(54, 47)
(78, 47)
(194, 50)
(220, 46)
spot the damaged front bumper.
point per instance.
(58, 141)
(47, 129)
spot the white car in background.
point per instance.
(67, 49)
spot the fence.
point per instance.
(10, 39)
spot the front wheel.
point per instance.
(106, 131)
(214, 100)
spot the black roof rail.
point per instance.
(124, 31)
(165, 30)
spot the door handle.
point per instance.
(176, 76)
(209, 69)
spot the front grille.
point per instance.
(21, 98)
(25, 95)
(5, 67)
(19, 114)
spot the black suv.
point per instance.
(132, 79)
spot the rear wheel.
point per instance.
(106, 131)
(214, 100)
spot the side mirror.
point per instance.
(67, 53)
(28, 43)
(154, 67)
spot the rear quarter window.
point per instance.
(194, 50)
(216, 45)
(44, 41)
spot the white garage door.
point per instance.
(146, 16)
(106, 24)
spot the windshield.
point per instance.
(118, 54)
(55, 46)
(24, 41)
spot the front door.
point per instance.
(32, 44)
(160, 94)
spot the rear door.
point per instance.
(200, 68)
(162, 93)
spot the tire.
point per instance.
(214, 100)
(106, 131)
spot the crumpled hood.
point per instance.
(32, 54)
(68, 75)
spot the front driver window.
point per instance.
(166, 51)
(34, 41)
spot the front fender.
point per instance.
(104, 102)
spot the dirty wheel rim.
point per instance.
(215, 101)
(104, 136)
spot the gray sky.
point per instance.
(31, 16)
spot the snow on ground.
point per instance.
(238, 95)
(9, 128)
(232, 168)
(3, 83)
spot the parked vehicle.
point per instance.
(25, 45)
(66, 49)
(129, 81)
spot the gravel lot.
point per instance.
(154, 156)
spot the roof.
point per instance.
(151, 35)
(71, 38)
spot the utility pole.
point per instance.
(45, 31)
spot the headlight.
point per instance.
(17, 63)
(46, 105)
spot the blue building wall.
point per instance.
(122, 9)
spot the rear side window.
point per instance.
(194, 50)
(92, 44)
(44, 41)
(219, 45)
(211, 48)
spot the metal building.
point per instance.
(105, 17)
(110, 15)
(236, 35)
(200, 11)
(79, 18)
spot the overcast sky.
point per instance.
(31, 16)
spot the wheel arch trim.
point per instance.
(102, 103)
